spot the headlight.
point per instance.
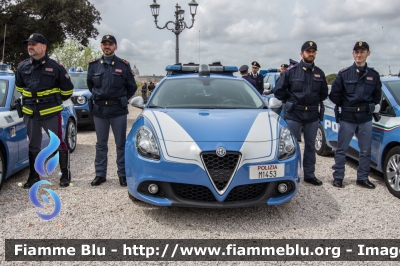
(286, 144)
(146, 144)
(81, 100)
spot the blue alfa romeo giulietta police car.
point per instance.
(13, 138)
(207, 139)
(385, 153)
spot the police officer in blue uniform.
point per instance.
(244, 71)
(44, 85)
(357, 91)
(258, 78)
(282, 71)
(112, 83)
(303, 87)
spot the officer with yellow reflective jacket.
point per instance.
(44, 85)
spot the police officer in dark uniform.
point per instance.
(44, 85)
(112, 83)
(258, 78)
(357, 91)
(303, 87)
(244, 71)
(282, 70)
(292, 62)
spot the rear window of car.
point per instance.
(214, 93)
(394, 88)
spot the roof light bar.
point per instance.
(195, 68)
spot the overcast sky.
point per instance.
(239, 32)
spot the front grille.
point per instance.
(220, 169)
(246, 192)
(193, 192)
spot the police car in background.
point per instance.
(81, 96)
(270, 77)
(13, 138)
(207, 139)
(385, 153)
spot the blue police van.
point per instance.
(385, 153)
(13, 138)
(81, 96)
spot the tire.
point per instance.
(320, 142)
(2, 169)
(391, 171)
(70, 138)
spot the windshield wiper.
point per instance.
(155, 106)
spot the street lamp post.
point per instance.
(178, 25)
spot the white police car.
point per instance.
(385, 153)
(13, 138)
(80, 97)
(207, 139)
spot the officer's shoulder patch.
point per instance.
(93, 60)
(124, 61)
(344, 69)
(291, 67)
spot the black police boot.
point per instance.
(33, 175)
(64, 166)
(122, 181)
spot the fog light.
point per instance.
(152, 188)
(282, 188)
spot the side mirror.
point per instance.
(267, 86)
(137, 102)
(274, 103)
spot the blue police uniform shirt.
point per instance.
(303, 85)
(110, 81)
(356, 87)
(250, 80)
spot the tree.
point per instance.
(73, 54)
(57, 20)
(331, 77)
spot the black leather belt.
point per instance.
(305, 108)
(107, 102)
(355, 109)
(38, 100)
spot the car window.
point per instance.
(394, 88)
(3, 92)
(267, 79)
(206, 93)
(385, 106)
(79, 80)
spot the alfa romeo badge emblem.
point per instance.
(221, 151)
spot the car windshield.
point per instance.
(79, 80)
(394, 87)
(208, 93)
(3, 92)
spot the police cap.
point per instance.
(244, 68)
(309, 45)
(109, 38)
(36, 38)
(292, 62)
(285, 65)
(255, 64)
(362, 45)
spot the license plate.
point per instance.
(267, 171)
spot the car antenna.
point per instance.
(4, 43)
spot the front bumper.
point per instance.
(84, 116)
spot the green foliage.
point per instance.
(73, 54)
(57, 20)
(331, 77)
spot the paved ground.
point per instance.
(107, 212)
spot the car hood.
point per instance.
(80, 92)
(232, 125)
